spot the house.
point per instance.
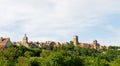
(4, 43)
(26, 43)
(49, 44)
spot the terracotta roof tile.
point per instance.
(85, 45)
(2, 46)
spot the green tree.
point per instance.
(84, 51)
(55, 59)
(77, 50)
(73, 61)
(116, 62)
(35, 62)
(11, 53)
(29, 54)
(3, 61)
(45, 53)
(23, 61)
(36, 51)
(70, 46)
(76, 61)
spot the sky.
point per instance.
(60, 20)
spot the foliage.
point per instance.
(3, 61)
(11, 53)
(64, 55)
(23, 61)
(29, 54)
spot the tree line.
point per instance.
(64, 55)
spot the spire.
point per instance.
(25, 38)
(25, 35)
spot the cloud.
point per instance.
(55, 19)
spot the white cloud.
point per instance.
(53, 17)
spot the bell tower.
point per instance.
(25, 39)
(95, 44)
(75, 40)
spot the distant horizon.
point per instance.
(60, 20)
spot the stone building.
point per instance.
(26, 43)
(94, 44)
(50, 44)
(75, 40)
(4, 43)
(25, 39)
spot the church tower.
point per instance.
(25, 39)
(75, 40)
(95, 44)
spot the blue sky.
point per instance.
(60, 20)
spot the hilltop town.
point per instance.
(50, 53)
(5, 42)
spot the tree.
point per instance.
(76, 61)
(3, 61)
(73, 61)
(77, 50)
(35, 62)
(55, 59)
(116, 62)
(29, 54)
(11, 53)
(84, 52)
(36, 51)
(23, 49)
(70, 46)
(23, 61)
(45, 53)
(100, 62)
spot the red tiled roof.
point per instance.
(3, 43)
(85, 45)
(2, 46)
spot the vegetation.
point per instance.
(65, 55)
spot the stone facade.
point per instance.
(25, 39)
(94, 44)
(26, 43)
(75, 40)
(4, 43)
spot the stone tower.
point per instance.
(1, 38)
(25, 39)
(75, 40)
(95, 44)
